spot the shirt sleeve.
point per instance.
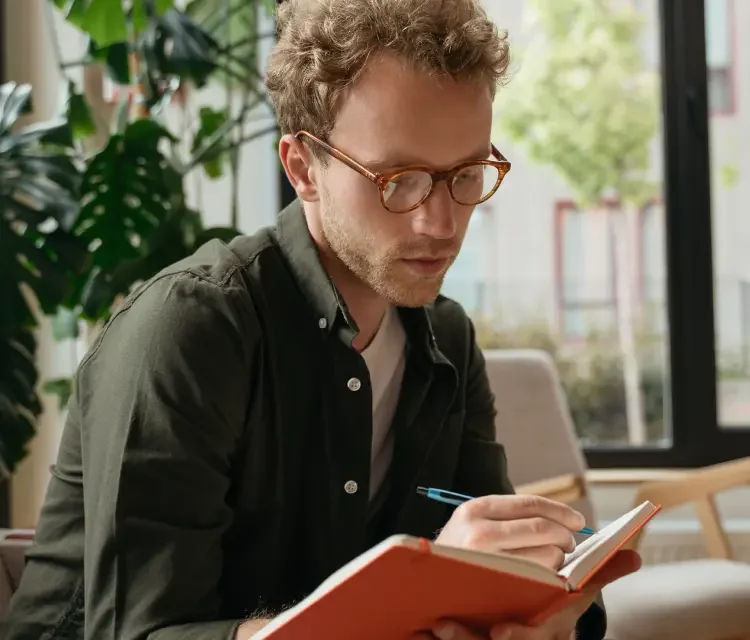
(482, 465)
(162, 397)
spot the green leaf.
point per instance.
(211, 120)
(38, 201)
(73, 10)
(129, 191)
(60, 387)
(79, 116)
(19, 403)
(140, 12)
(269, 6)
(115, 57)
(235, 26)
(173, 45)
(104, 21)
(64, 324)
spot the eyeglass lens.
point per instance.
(469, 187)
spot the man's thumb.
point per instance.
(621, 564)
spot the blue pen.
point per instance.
(448, 497)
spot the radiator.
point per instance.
(676, 540)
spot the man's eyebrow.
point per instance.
(397, 162)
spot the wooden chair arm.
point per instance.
(699, 487)
(696, 485)
(565, 488)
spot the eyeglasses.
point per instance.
(403, 190)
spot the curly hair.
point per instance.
(323, 47)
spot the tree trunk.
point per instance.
(623, 265)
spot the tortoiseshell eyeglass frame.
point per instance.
(382, 179)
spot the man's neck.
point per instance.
(364, 305)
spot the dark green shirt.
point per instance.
(202, 469)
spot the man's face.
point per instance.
(395, 116)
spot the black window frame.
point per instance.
(697, 438)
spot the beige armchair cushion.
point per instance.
(692, 600)
(533, 420)
(13, 545)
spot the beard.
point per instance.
(381, 268)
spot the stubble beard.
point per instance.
(379, 269)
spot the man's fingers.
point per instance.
(532, 532)
(621, 564)
(518, 507)
(550, 556)
(513, 631)
(453, 631)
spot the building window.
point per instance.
(586, 278)
(720, 55)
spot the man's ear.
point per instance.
(299, 167)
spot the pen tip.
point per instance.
(422, 491)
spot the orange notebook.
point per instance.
(406, 584)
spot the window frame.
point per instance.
(561, 209)
(697, 437)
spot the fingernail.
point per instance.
(445, 631)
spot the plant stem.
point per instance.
(248, 40)
(217, 135)
(249, 138)
(224, 17)
(72, 64)
(232, 135)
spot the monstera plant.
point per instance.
(90, 208)
(39, 256)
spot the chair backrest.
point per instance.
(13, 546)
(533, 420)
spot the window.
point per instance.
(586, 280)
(562, 244)
(468, 279)
(719, 55)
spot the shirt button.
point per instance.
(351, 487)
(322, 323)
(354, 384)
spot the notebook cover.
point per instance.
(405, 590)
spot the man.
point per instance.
(259, 414)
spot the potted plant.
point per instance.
(113, 195)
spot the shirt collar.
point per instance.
(301, 253)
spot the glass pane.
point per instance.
(569, 255)
(730, 187)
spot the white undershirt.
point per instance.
(385, 359)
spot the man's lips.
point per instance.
(427, 265)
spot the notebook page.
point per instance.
(590, 552)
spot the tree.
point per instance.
(584, 103)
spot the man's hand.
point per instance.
(248, 628)
(560, 626)
(536, 528)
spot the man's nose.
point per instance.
(435, 216)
